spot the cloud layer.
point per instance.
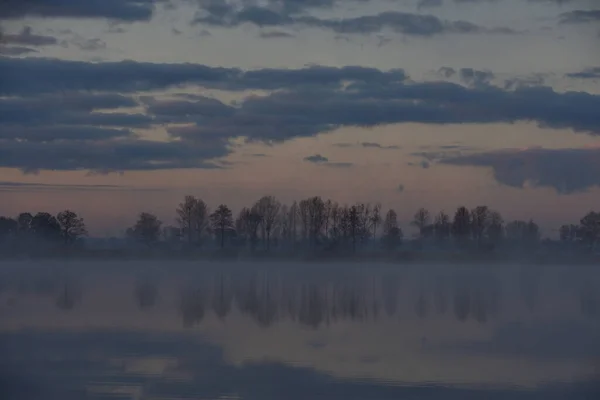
(564, 170)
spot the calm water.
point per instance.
(281, 331)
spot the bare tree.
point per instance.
(392, 234)
(421, 221)
(249, 222)
(590, 228)
(201, 220)
(268, 207)
(480, 218)
(461, 225)
(71, 225)
(442, 226)
(495, 228)
(185, 217)
(222, 221)
(147, 229)
(375, 218)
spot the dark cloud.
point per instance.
(379, 146)
(324, 161)
(59, 133)
(276, 35)
(89, 44)
(43, 75)
(76, 109)
(469, 76)
(36, 186)
(107, 156)
(227, 15)
(185, 111)
(588, 73)
(317, 158)
(580, 16)
(447, 72)
(121, 10)
(27, 38)
(15, 50)
(475, 77)
(564, 170)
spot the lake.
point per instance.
(266, 331)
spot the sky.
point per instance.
(113, 107)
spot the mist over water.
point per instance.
(182, 330)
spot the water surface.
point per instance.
(174, 330)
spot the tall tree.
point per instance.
(45, 226)
(201, 220)
(147, 228)
(268, 207)
(461, 225)
(442, 226)
(495, 228)
(72, 226)
(590, 228)
(249, 221)
(421, 220)
(221, 221)
(375, 218)
(185, 217)
(480, 217)
(392, 234)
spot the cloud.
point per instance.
(27, 38)
(89, 44)
(580, 16)
(317, 158)
(565, 170)
(400, 22)
(15, 50)
(588, 73)
(276, 35)
(324, 161)
(378, 146)
(54, 133)
(67, 110)
(44, 75)
(297, 103)
(36, 186)
(108, 155)
(121, 10)
(184, 111)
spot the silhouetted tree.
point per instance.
(185, 217)
(495, 228)
(221, 221)
(268, 208)
(421, 220)
(461, 225)
(72, 226)
(442, 226)
(146, 229)
(46, 227)
(375, 219)
(392, 234)
(247, 225)
(569, 233)
(480, 218)
(589, 230)
(192, 217)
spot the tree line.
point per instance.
(312, 224)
